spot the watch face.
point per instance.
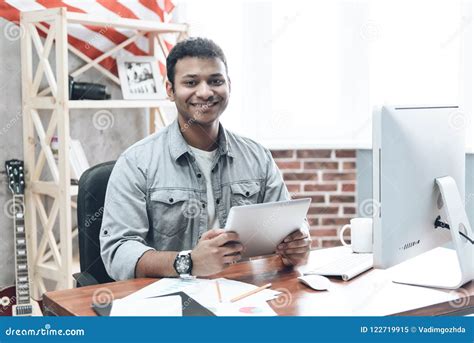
(183, 264)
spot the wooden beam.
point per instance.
(48, 188)
(47, 138)
(82, 56)
(45, 146)
(64, 198)
(47, 234)
(48, 227)
(49, 271)
(43, 102)
(47, 67)
(40, 15)
(48, 254)
(163, 46)
(183, 34)
(43, 58)
(135, 24)
(29, 138)
(104, 104)
(39, 284)
(102, 57)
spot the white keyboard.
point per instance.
(347, 266)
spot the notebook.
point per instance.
(190, 306)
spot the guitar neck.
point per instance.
(21, 254)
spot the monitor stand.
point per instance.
(441, 267)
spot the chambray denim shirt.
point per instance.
(156, 195)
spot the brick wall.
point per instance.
(328, 177)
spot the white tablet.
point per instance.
(262, 227)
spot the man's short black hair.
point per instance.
(192, 47)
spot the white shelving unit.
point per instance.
(51, 259)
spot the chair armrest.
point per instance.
(84, 279)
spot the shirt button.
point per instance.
(171, 199)
(247, 193)
(203, 205)
(217, 201)
(199, 175)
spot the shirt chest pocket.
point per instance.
(172, 211)
(244, 193)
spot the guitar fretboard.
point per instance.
(22, 278)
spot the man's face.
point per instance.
(201, 89)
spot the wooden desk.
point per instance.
(371, 293)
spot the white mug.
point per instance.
(361, 235)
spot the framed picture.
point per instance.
(140, 78)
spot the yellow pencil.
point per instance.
(246, 294)
(219, 295)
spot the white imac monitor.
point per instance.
(418, 170)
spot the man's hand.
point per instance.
(215, 251)
(294, 249)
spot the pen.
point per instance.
(219, 295)
(246, 294)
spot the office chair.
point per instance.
(90, 208)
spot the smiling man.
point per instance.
(169, 195)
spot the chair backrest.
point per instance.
(90, 208)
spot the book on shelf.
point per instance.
(78, 159)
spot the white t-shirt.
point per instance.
(204, 160)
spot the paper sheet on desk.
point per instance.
(203, 290)
(156, 307)
(374, 296)
(390, 298)
(243, 308)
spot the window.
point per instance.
(308, 73)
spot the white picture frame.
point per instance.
(140, 78)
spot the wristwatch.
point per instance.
(183, 264)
